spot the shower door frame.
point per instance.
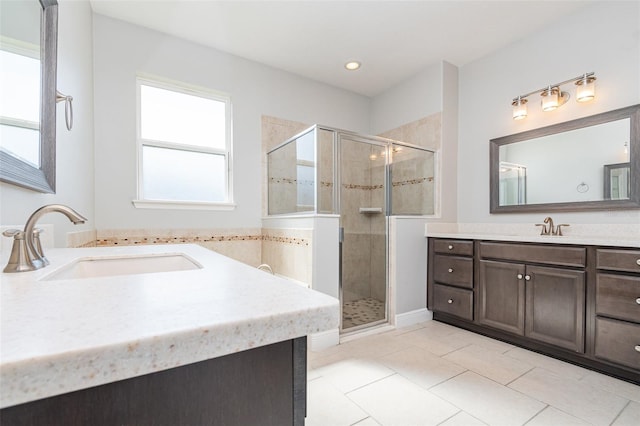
(385, 144)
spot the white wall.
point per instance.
(603, 38)
(74, 170)
(122, 50)
(408, 275)
(448, 157)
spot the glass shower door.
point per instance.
(363, 232)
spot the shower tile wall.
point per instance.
(364, 246)
(413, 173)
(283, 183)
(412, 180)
(325, 171)
(425, 132)
(274, 132)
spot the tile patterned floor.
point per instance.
(362, 311)
(436, 374)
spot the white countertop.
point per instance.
(546, 239)
(60, 336)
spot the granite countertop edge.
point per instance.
(190, 330)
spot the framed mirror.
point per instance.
(563, 167)
(28, 45)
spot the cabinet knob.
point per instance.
(450, 270)
(450, 301)
(637, 348)
(527, 277)
(451, 248)
(519, 276)
(638, 262)
(638, 300)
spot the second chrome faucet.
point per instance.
(548, 227)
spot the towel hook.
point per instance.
(68, 108)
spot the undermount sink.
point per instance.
(92, 267)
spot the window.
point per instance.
(184, 146)
(20, 100)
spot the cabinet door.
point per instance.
(501, 296)
(555, 306)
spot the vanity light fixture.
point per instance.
(352, 65)
(553, 96)
(586, 88)
(519, 108)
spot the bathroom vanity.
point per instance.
(573, 299)
(96, 338)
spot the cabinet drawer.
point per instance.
(548, 254)
(618, 260)
(459, 247)
(618, 341)
(618, 296)
(453, 270)
(454, 301)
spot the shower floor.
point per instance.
(362, 311)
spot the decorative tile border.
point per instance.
(364, 187)
(292, 181)
(286, 240)
(190, 239)
(412, 181)
(282, 180)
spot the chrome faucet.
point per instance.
(551, 230)
(27, 253)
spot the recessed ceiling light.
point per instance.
(352, 65)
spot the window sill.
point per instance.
(182, 205)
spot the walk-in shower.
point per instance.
(363, 179)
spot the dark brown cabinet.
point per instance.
(617, 307)
(452, 278)
(262, 386)
(501, 296)
(541, 303)
(555, 306)
(577, 303)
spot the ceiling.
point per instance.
(394, 40)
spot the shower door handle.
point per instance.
(340, 235)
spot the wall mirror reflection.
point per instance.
(563, 167)
(28, 33)
(617, 181)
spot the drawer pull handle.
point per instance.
(638, 262)
(451, 248)
(450, 301)
(527, 277)
(637, 348)
(638, 300)
(519, 276)
(450, 270)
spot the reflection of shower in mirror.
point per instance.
(513, 184)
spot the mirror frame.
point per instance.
(632, 112)
(21, 173)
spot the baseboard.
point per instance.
(414, 317)
(324, 340)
